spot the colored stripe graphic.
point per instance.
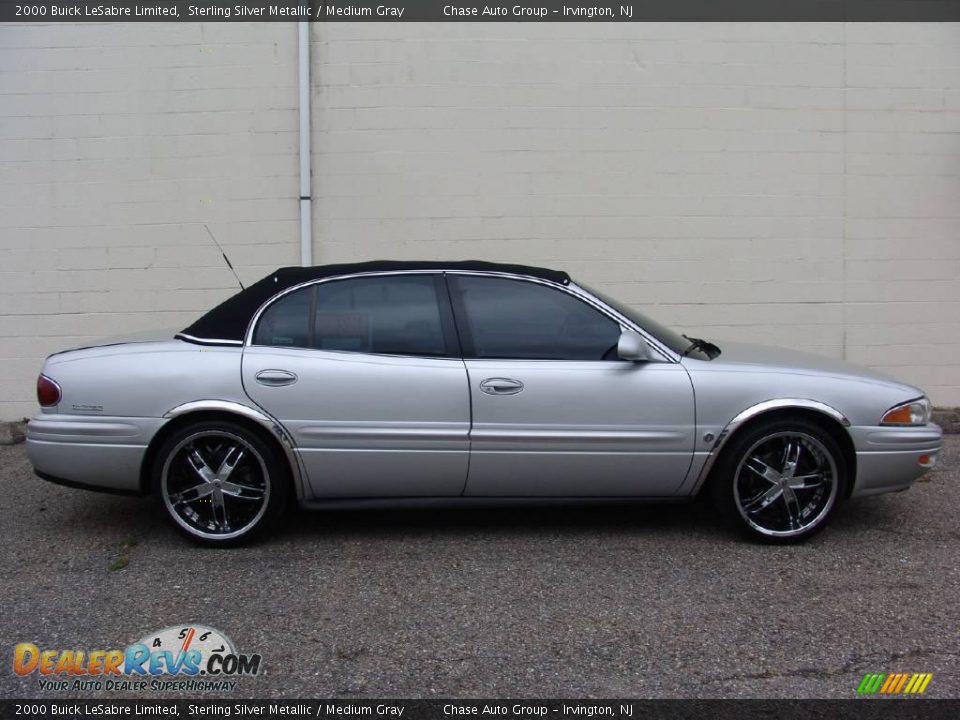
(894, 683)
(870, 683)
(901, 681)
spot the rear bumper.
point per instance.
(84, 486)
(892, 458)
(95, 453)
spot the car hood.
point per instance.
(746, 356)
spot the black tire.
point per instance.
(757, 492)
(234, 489)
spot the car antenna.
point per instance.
(229, 264)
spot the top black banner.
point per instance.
(468, 11)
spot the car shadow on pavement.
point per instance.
(682, 518)
(88, 515)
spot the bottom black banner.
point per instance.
(861, 709)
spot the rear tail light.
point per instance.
(48, 392)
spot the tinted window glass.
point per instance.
(286, 323)
(671, 338)
(393, 315)
(516, 319)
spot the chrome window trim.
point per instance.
(571, 289)
(667, 354)
(248, 336)
(208, 341)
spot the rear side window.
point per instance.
(286, 323)
(389, 315)
(515, 319)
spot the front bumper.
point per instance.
(892, 458)
(98, 453)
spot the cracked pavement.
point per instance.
(655, 601)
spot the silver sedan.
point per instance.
(465, 383)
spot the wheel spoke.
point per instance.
(195, 460)
(220, 511)
(242, 492)
(807, 482)
(192, 494)
(762, 469)
(761, 501)
(230, 461)
(791, 456)
(793, 507)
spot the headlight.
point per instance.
(915, 412)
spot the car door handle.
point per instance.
(276, 378)
(501, 386)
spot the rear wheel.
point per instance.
(780, 482)
(220, 483)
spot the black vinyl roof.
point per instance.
(228, 321)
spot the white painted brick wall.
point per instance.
(794, 184)
(117, 143)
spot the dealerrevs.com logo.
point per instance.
(180, 658)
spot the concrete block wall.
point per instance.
(118, 143)
(790, 184)
(794, 184)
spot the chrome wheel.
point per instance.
(215, 485)
(786, 484)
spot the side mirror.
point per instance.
(632, 347)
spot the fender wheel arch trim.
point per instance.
(267, 422)
(744, 416)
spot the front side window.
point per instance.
(671, 338)
(514, 319)
(387, 315)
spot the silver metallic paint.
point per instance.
(746, 381)
(370, 425)
(593, 428)
(94, 450)
(616, 429)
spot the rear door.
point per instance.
(364, 374)
(555, 413)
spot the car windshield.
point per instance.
(671, 338)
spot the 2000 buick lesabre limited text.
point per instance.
(86, 709)
(426, 383)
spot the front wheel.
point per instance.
(780, 482)
(220, 483)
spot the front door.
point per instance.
(363, 374)
(555, 413)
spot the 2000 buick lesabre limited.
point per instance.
(465, 383)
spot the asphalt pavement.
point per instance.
(654, 601)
